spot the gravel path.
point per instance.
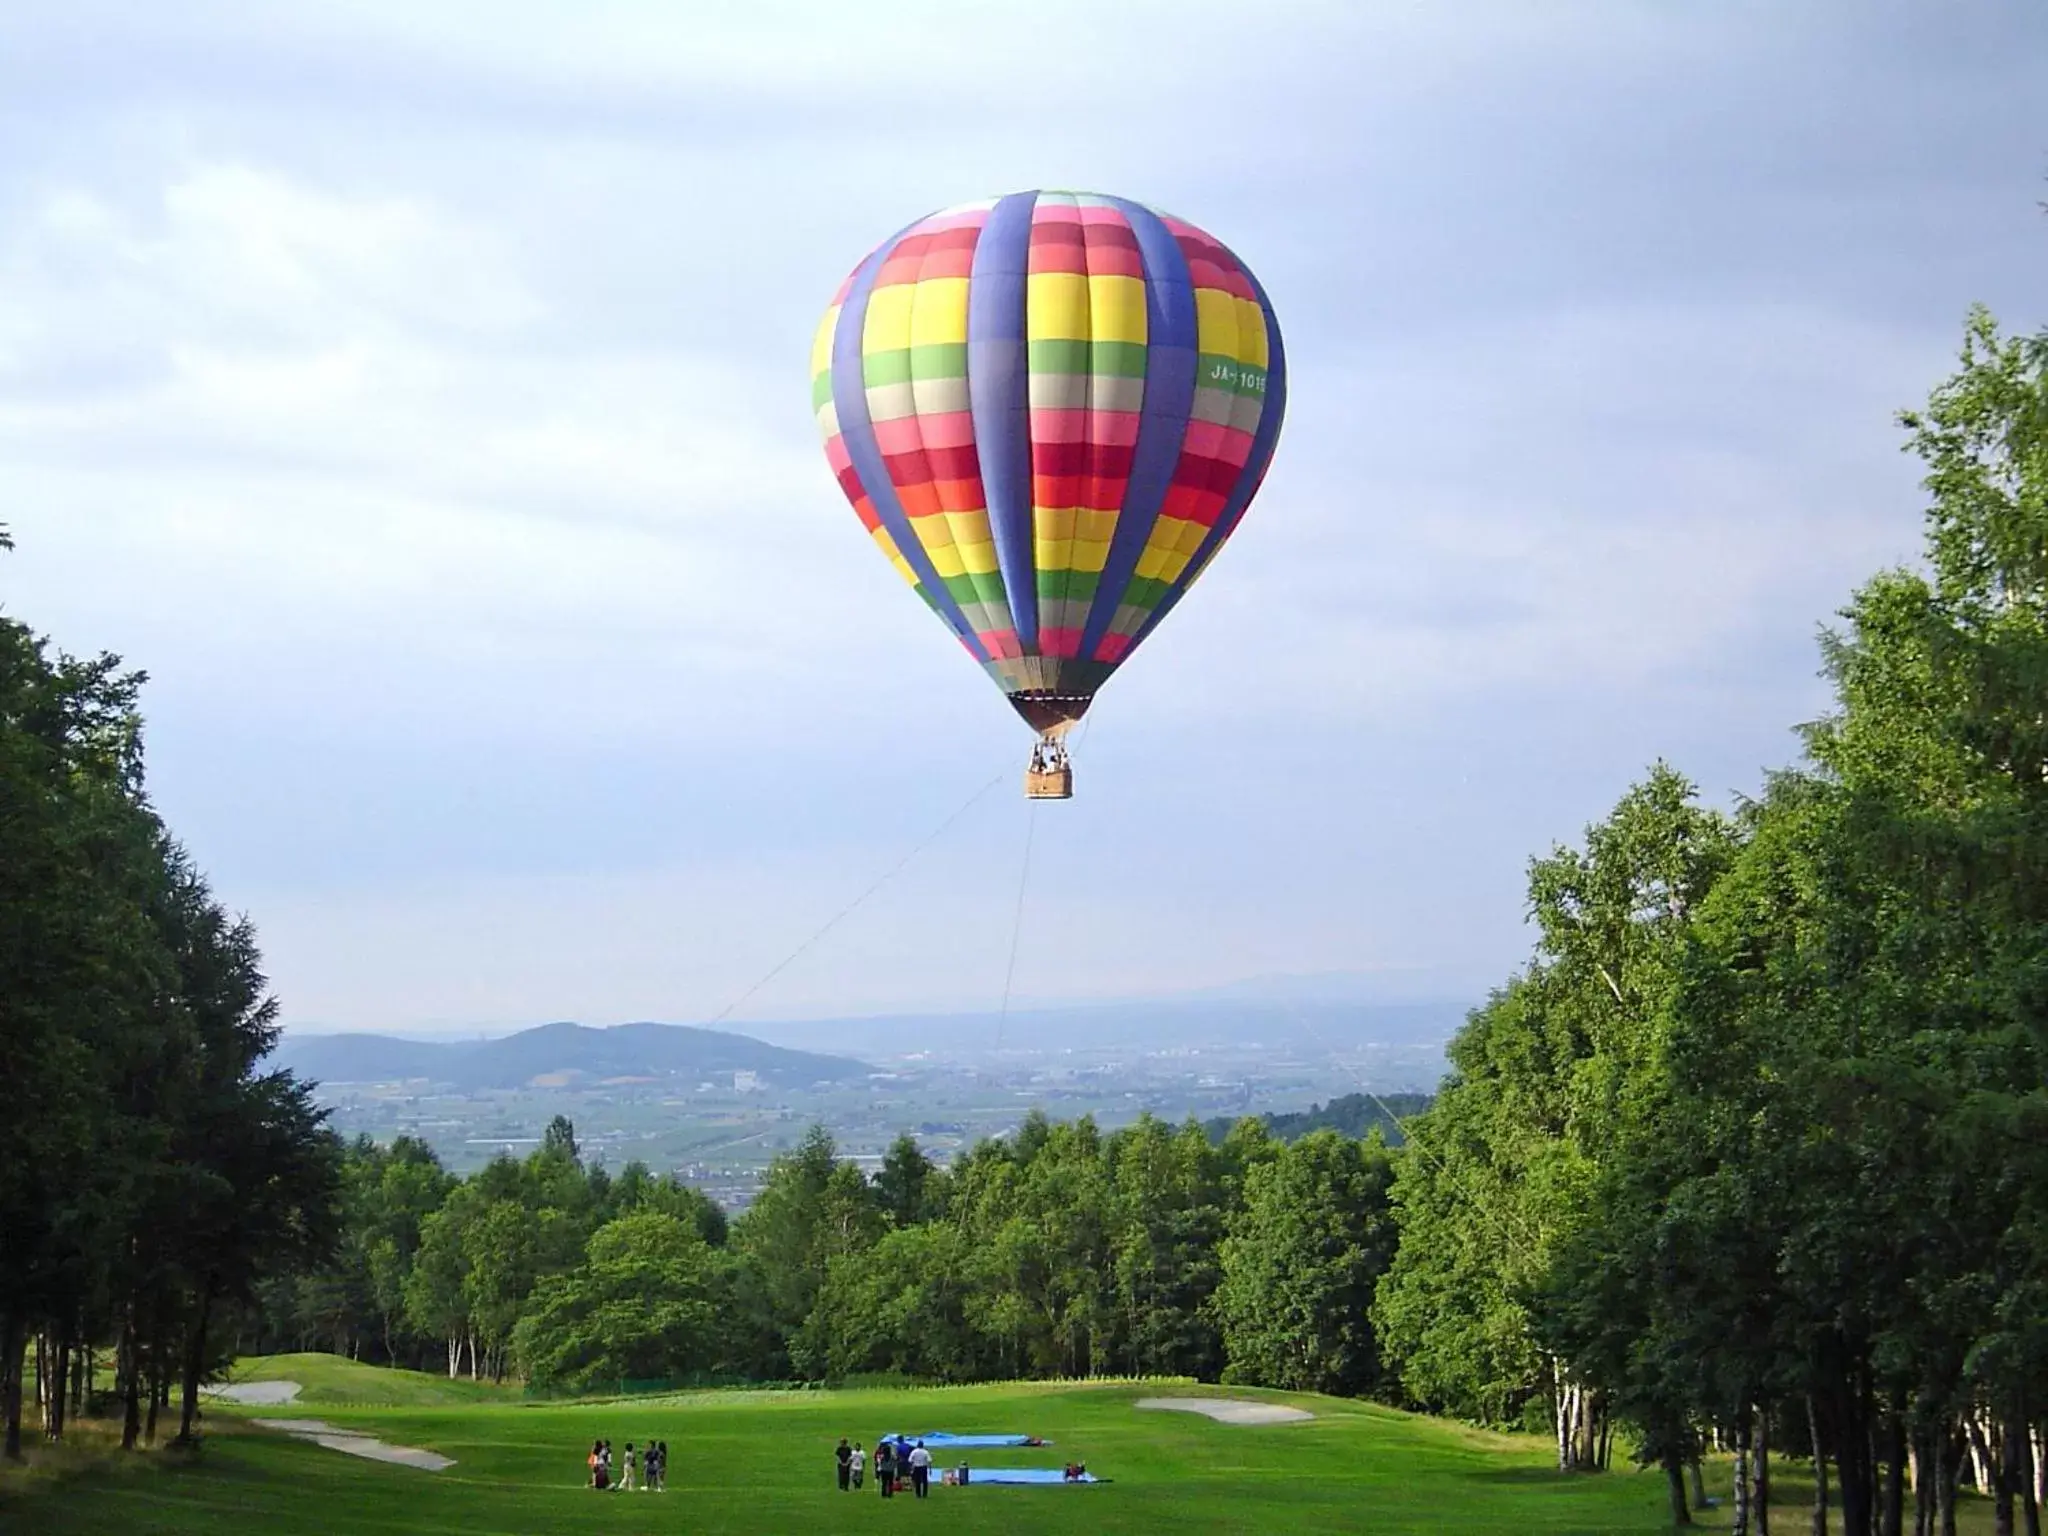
(1229, 1410)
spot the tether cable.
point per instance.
(1017, 920)
(848, 910)
(1504, 1222)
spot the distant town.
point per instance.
(721, 1129)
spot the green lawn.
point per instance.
(329, 1381)
(761, 1462)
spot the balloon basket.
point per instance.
(1053, 784)
(1049, 776)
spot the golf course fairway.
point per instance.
(748, 1462)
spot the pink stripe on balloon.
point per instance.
(1213, 440)
(1111, 429)
(898, 436)
(1059, 642)
(947, 429)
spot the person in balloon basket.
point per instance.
(920, 1470)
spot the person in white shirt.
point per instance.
(860, 1460)
(920, 1470)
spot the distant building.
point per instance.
(746, 1082)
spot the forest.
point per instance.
(1749, 1156)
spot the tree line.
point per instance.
(152, 1173)
(1060, 1250)
(1755, 1147)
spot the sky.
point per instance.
(419, 393)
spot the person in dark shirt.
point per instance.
(844, 1456)
(885, 1468)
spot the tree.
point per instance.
(1301, 1263)
(1500, 1174)
(900, 1188)
(559, 1140)
(149, 1171)
(640, 1306)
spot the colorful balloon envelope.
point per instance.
(1050, 411)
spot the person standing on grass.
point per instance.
(885, 1467)
(596, 1456)
(632, 1465)
(844, 1456)
(920, 1470)
(860, 1462)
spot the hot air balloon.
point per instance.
(1050, 410)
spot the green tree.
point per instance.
(1301, 1263)
(901, 1186)
(641, 1306)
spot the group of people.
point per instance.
(645, 1469)
(897, 1461)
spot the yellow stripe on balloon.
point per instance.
(938, 313)
(1116, 308)
(1216, 323)
(821, 344)
(887, 328)
(1056, 306)
(1251, 333)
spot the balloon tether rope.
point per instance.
(848, 910)
(1017, 921)
(1516, 1238)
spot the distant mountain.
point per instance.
(560, 1056)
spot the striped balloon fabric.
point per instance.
(1050, 410)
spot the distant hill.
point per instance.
(1352, 1115)
(560, 1056)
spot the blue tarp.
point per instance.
(979, 1475)
(938, 1438)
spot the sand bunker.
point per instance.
(256, 1394)
(1229, 1410)
(354, 1444)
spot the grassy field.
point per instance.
(329, 1381)
(761, 1462)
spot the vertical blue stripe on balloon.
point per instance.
(1170, 360)
(857, 429)
(999, 394)
(1263, 442)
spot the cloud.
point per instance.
(419, 392)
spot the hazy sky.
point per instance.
(419, 392)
